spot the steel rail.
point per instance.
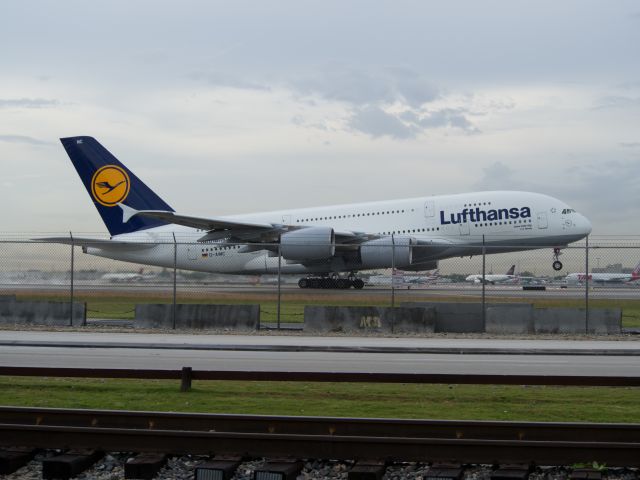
(323, 446)
(384, 427)
(353, 377)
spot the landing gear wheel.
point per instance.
(303, 283)
(557, 264)
(343, 283)
(358, 284)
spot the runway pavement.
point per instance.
(319, 354)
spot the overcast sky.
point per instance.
(234, 107)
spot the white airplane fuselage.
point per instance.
(456, 225)
(600, 277)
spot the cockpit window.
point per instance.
(568, 210)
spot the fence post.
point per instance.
(71, 283)
(279, 285)
(175, 277)
(393, 271)
(586, 286)
(484, 285)
(185, 379)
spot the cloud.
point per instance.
(367, 87)
(617, 101)
(223, 79)
(28, 103)
(630, 85)
(629, 144)
(392, 101)
(606, 190)
(499, 176)
(377, 123)
(396, 102)
(448, 117)
(23, 139)
(407, 124)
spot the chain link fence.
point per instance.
(598, 272)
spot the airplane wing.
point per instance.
(207, 224)
(218, 229)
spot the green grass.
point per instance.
(338, 399)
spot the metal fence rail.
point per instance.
(186, 374)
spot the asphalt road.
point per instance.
(275, 354)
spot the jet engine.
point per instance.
(313, 243)
(383, 253)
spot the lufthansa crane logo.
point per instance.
(110, 185)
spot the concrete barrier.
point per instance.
(197, 316)
(559, 320)
(17, 312)
(573, 320)
(369, 319)
(606, 321)
(510, 318)
(454, 317)
(521, 318)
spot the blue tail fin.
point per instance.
(109, 182)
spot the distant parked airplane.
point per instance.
(409, 234)
(138, 276)
(605, 277)
(493, 278)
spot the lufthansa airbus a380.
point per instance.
(408, 234)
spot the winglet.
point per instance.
(127, 212)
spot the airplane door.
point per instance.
(286, 219)
(429, 209)
(192, 251)
(542, 220)
(464, 228)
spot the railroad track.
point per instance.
(323, 437)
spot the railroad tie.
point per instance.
(144, 466)
(367, 470)
(444, 471)
(220, 468)
(14, 458)
(69, 464)
(511, 472)
(279, 469)
(585, 474)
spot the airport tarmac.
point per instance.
(320, 354)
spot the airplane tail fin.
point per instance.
(110, 183)
(635, 274)
(512, 270)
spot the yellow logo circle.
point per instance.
(110, 185)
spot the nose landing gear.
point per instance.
(557, 264)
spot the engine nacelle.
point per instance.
(313, 243)
(378, 253)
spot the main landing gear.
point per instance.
(557, 264)
(334, 282)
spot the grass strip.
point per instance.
(465, 402)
